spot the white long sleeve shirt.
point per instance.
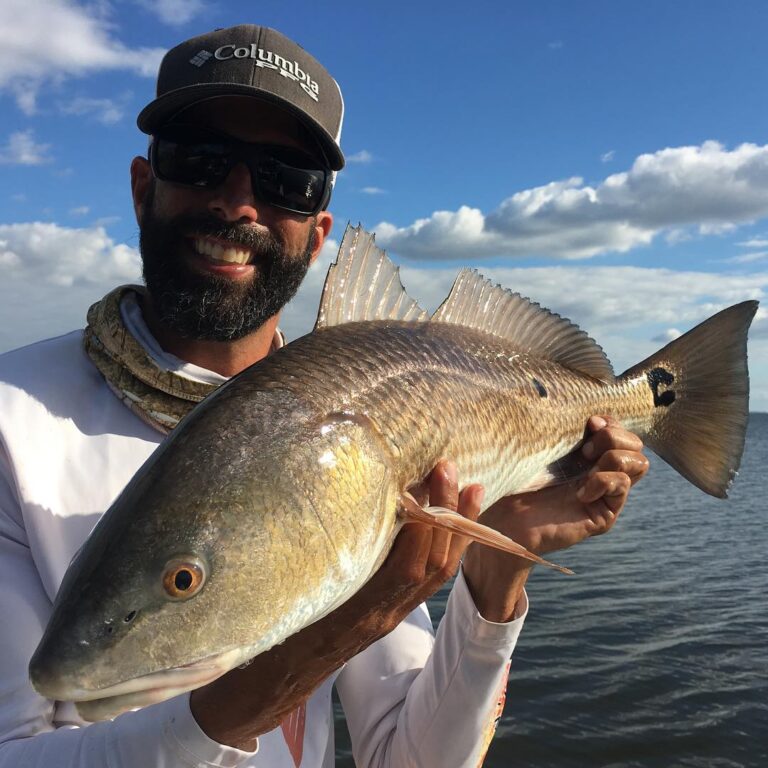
(67, 449)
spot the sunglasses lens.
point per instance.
(193, 160)
(282, 176)
(297, 189)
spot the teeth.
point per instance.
(217, 252)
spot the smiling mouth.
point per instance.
(220, 252)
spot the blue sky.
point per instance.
(608, 159)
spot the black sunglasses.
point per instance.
(284, 177)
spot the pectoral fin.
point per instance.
(411, 511)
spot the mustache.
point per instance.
(259, 240)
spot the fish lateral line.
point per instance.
(410, 511)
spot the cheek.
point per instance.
(170, 200)
(296, 233)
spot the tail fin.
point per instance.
(700, 386)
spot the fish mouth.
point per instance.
(155, 687)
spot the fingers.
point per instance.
(412, 550)
(470, 502)
(422, 558)
(446, 548)
(428, 554)
(632, 463)
(443, 492)
(604, 495)
(618, 464)
(444, 485)
(607, 485)
(409, 553)
(607, 435)
(420, 492)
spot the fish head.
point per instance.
(126, 625)
(218, 549)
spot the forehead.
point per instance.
(250, 119)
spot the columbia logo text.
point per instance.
(266, 60)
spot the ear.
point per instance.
(141, 179)
(322, 230)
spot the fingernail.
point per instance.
(580, 492)
(480, 495)
(588, 449)
(451, 475)
(599, 422)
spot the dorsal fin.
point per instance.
(363, 284)
(477, 303)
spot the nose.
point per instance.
(233, 200)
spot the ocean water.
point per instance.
(655, 655)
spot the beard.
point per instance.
(209, 307)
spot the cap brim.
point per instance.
(164, 108)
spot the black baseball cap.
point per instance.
(253, 61)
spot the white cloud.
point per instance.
(52, 274)
(363, 156)
(173, 12)
(608, 156)
(716, 229)
(22, 149)
(80, 210)
(106, 221)
(26, 96)
(64, 256)
(106, 111)
(748, 258)
(555, 45)
(373, 190)
(669, 335)
(675, 236)
(49, 40)
(707, 187)
(7, 257)
(755, 242)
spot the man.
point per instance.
(232, 208)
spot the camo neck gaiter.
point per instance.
(158, 396)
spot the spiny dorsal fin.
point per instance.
(477, 303)
(363, 284)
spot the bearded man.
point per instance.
(232, 204)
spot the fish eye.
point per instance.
(183, 577)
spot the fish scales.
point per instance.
(285, 488)
(435, 391)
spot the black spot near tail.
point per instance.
(661, 377)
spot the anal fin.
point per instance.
(411, 511)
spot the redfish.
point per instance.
(281, 493)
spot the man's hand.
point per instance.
(244, 703)
(423, 558)
(555, 518)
